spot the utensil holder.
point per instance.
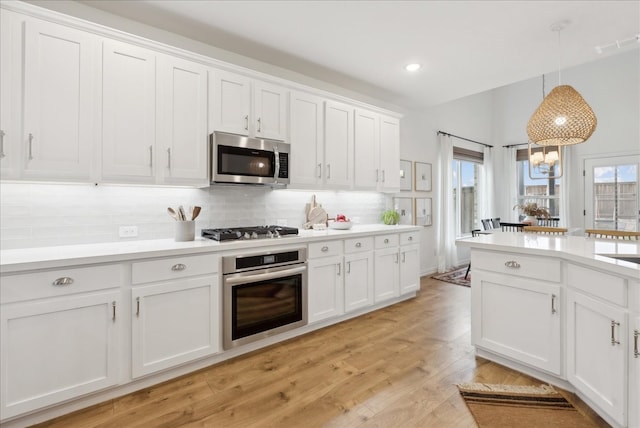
(185, 231)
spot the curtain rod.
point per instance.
(515, 145)
(465, 139)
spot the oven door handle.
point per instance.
(264, 276)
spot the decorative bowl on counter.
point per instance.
(339, 225)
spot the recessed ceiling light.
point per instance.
(412, 67)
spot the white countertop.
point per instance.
(52, 257)
(579, 249)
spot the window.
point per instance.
(465, 167)
(544, 192)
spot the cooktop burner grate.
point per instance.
(253, 232)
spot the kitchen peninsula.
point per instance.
(563, 309)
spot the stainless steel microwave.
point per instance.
(244, 160)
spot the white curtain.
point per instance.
(487, 205)
(565, 189)
(509, 185)
(446, 234)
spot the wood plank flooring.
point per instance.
(396, 367)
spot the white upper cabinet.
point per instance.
(249, 107)
(366, 172)
(307, 144)
(59, 73)
(10, 102)
(182, 121)
(338, 145)
(128, 111)
(389, 154)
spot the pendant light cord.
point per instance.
(559, 57)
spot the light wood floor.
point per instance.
(396, 367)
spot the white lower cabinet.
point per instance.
(358, 273)
(59, 348)
(409, 262)
(518, 318)
(386, 267)
(326, 281)
(177, 320)
(596, 352)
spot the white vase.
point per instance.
(532, 220)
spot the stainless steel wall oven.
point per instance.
(264, 294)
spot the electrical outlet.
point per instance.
(128, 231)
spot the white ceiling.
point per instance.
(465, 47)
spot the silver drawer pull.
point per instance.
(178, 267)
(386, 241)
(636, 351)
(614, 324)
(358, 245)
(512, 264)
(324, 249)
(61, 282)
(553, 304)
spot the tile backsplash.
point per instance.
(39, 215)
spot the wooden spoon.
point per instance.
(196, 212)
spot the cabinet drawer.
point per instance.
(325, 249)
(541, 268)
(409, 238)
(173, 267)
(387, 241)
(357, 245)
(599, 284)
(59, 282)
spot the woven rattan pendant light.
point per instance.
(564, 117)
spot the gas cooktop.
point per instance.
(253, 232)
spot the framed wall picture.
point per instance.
(404, 207)
(406, 175)
(422, 177)
(423, 211)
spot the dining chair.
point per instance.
(612, 234)
(474, 232)
(551, 221)
(546, 230)
(495, 222)
(487, 224)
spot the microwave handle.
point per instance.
(277, 169)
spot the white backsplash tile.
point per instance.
(37, 215)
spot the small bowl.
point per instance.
(340, 225)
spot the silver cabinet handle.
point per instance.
(113, 306)
(324, 249)
(246, 123)
(348, 267)
(259, 125)
(636, 351)
(137, 306)
(358, 245)
(178, 267)
(512, 264)
(328, 171)
(151, 156)
(61, 282)
(411, 238)
(377, 175)
(404, 257)
(2, 134)
(169, 158)
(386, 241)
(319, 170)
(339, 268)
(30, 146)
(553, 304)
(397, 258)
(614, 324)
(383, 176)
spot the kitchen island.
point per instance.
(564, 309)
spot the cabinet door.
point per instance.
(306, 140)
(231, 103)
(387, 271)
(358, 280)
(128, 112)
(389, 154)
(173, 323)
(409, 268)
(338, 145)
(517, 318)
(366, 173)
(57, 349)
(326, 298)
(634, 374)
(596, 353)
(59, 70)
(182, 125)
(10, 100)
(269, 111)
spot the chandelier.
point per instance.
(564, 117)
(545, 161)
